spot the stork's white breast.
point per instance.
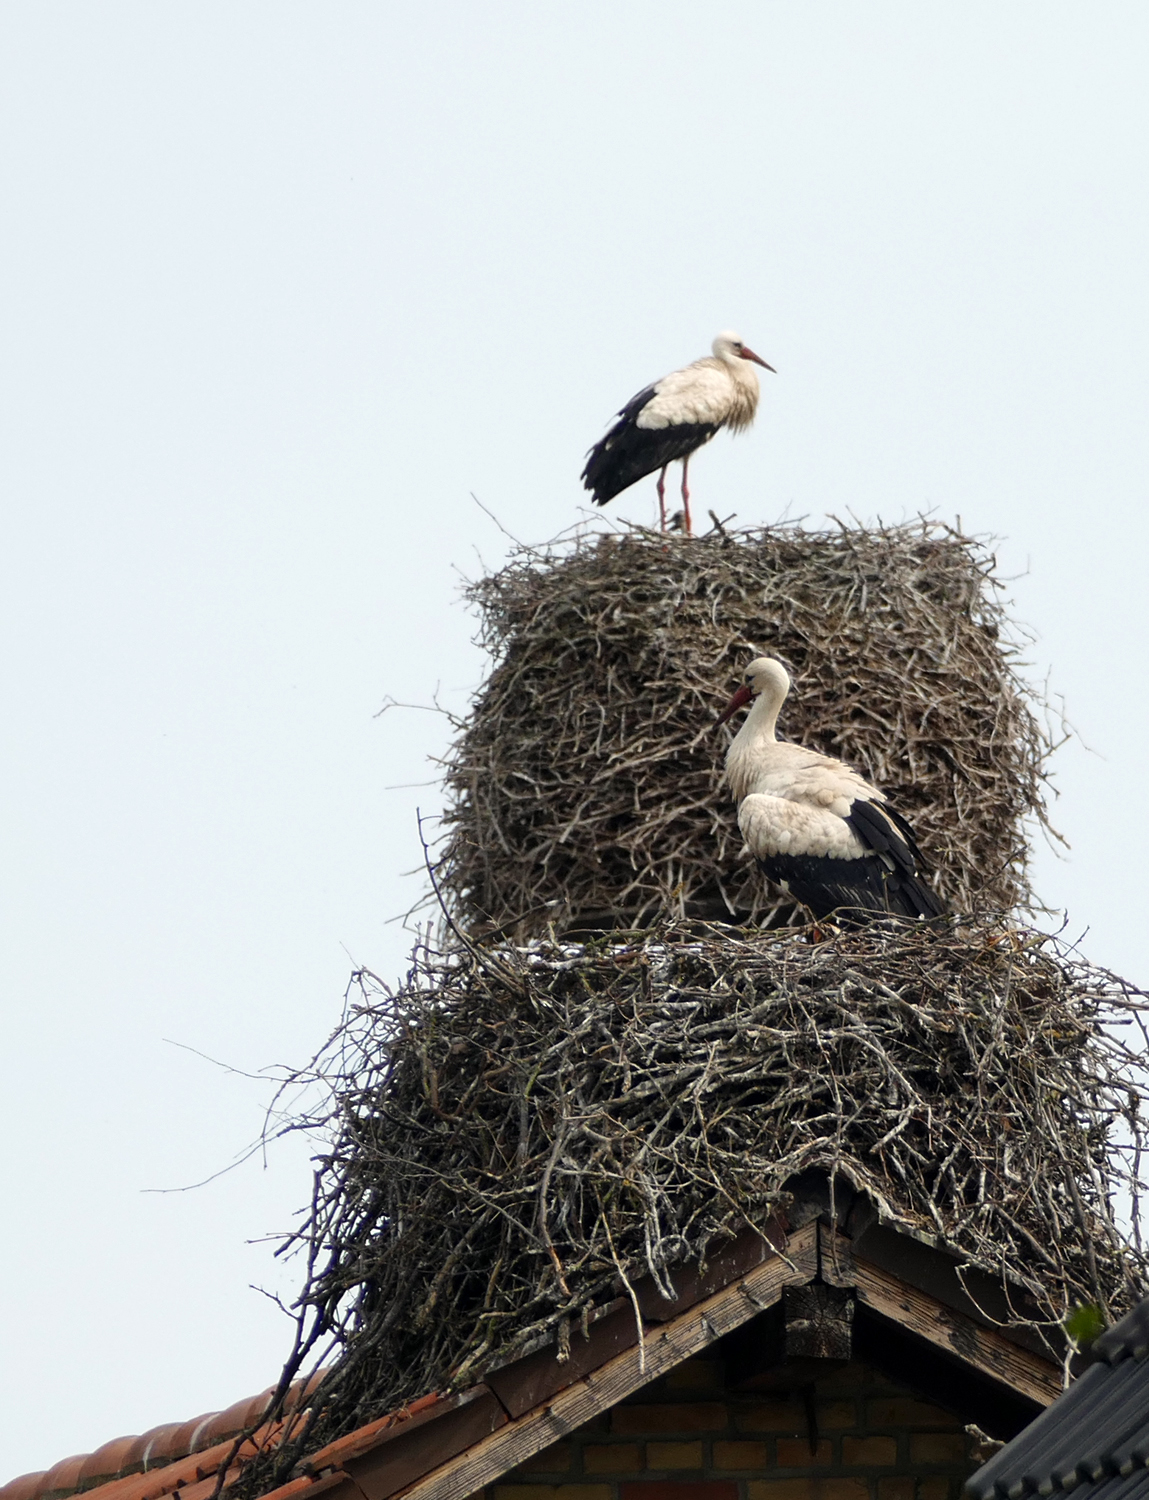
(818, 788)
(776, 825)
(796, 773)
(701, 393)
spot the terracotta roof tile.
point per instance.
(155, 1483)
(363, 1438)
(186, 1456)
(239, 1415)
(308, 1485)
(63, 1478)
(159, 1451)
(161, 1444)
(182, 1440)
(133, 1457)
(202, 1490)
(26, 1487)
(113, 1458)
(217, 1426)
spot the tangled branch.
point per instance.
(585, 789)
(515, 1135)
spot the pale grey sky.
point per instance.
(280, 285)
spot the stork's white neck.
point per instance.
(761, 723)
(757, 732)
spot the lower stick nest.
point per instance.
(517, 1132)
(585, 787)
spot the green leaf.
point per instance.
(1083, 1324)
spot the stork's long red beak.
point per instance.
(749, 354)
(740, 698)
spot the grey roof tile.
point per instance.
(1127, 1339)
(1093, 1440)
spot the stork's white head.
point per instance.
(729, 346)
(765, 677)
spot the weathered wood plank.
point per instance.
(385, 1470)
(660, 1351)
(984, 1348)
(817, 1322)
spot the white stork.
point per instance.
(673, 417)
(816, 827)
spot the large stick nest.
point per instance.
(584, 789)
(518, 1133)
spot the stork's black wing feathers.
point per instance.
(630, 411)
(889, 835)
(629, 453)
(907, 833)
(854, 891)
(842, 888)
(877, 831)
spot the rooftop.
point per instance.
(915, 1305)
(1095, 1439)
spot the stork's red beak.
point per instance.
(749, 354)
(741, 697)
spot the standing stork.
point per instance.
(673, 417)
(816, 827)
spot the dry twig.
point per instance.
(512, 1144)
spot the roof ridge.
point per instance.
(159, 1448)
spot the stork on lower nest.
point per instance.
(672, 418)
(817, 828)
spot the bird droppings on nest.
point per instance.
(517, 1132)
(585, 788)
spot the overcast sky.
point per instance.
(281, 285)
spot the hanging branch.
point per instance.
(515, 1142)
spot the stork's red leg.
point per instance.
(685, 498)
(662, 496)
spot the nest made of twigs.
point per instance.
(584, 788)
(518, 1133)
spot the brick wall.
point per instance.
(686, 1437)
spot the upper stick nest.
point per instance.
(516, 1134)
(584, 788)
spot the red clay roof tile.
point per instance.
(297, 1487)
(160, 1445)
(186, 1456)
(157, 1452)
(202, 1490)
(157, 1482)
(112, 1458)
(364, 1438)
(239, 1415)
(26, 1487)
(64, 1477)
(161, 1448)
(181, 1442)
(134, 1456)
